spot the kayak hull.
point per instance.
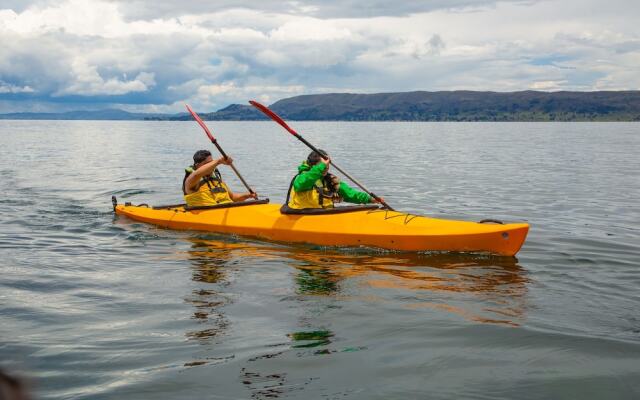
(372, 228)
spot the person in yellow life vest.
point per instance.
(315, 187)
(203, 185)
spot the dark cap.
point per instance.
(200, 155)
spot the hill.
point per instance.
(411, 106)
(107, 114)
(454, 106)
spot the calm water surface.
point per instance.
(94, 306)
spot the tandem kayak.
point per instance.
(349, 226)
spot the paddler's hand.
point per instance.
(253, 195)
(225, 160)
(327, 163)
(379, 200)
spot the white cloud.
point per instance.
(88, 82)
(310, 29)
(157, 55)
(9, 88)
(547, 85)
(85, 18)
(209, 95)
(325, 9)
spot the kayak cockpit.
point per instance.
(286, 210)
(185, 207)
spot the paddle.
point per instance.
(215, 142)
(280, 121)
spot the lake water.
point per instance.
(94, 306)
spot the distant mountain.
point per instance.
(411, 106)
(234, 112)
(464, 106)
(450, 106)
(108, 114)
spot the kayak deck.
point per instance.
(375, 228)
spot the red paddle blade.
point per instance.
(273, 116)
(201, 122)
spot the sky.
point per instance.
(154, 56)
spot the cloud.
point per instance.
(326, 9)
(309, 29)
(142, 55)
(263, 92)
(89, 82)
(82, 18)
(547, 85)
(9, 88)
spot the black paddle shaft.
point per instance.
(215, 143)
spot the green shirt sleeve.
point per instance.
(351, 195)
(306, 180)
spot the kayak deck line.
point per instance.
(378, 228)
(407, 216)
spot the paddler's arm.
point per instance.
(351, 195)
(306, 180)
(239, 196)
(204, 170)
(242, 196)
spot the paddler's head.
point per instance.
(313, 158)
(201, 157)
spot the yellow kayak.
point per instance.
(346, 226)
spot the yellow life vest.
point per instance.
(321, 196)
(211, 191)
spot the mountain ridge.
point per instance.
(460, 105)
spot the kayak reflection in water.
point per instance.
(315, 187)
(203, 185)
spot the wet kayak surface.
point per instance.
(94, 306)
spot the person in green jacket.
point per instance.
(315, 187)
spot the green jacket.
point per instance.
(308, 176)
